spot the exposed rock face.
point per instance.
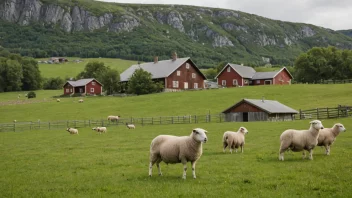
(230, 26)
(128, 23)
(218, 40)
(307, 31)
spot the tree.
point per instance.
(210, 73)
(141, 83)
(220, 66)
(93, 69)
(31, 75)
(111, 81)
(13, 75)
(53, 83)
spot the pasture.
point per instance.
(72, 69)
(115, 164)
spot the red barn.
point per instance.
(83, 86)
(233, 75)
(175, 74)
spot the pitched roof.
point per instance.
(161, 69)
(244, 71)
(269, 106)
(81, 82)
(264, 75)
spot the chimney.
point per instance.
(262, 98)
(156, 59)
(174, 56)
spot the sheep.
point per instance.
(57, 100)
(113, 118)
(300, 140)
(234, 139)
(175, 149)
(327, 136)
(130, 126)
(72, 131)
(14, 121)
(100, 129)
(80, 100)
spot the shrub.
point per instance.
(31, 94)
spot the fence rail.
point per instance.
(326, 113)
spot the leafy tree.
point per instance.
(210, 73)
(31, 75)
(94, 69)
(53, 83)
(141, 83)
(111, 80)
(13, 75)
(220, 66)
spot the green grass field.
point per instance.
(115, 164)
(71, 69)
(167, 104)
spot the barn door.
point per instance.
(185, 85)
(245, 116)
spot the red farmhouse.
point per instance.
(175, 74)
(83, 86)
(233, 75)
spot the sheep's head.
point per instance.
(94, 128)
(68, 129)
(200, 135)
(339, 127)
(316, 124)
(243, 130)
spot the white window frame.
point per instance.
(228, 69)
(178, 73)
(246, 82)
(93, 83)
(195, 86)
(70, 90)
(193, 75)
(92, 90)
(187, 65)
(233, 82)
(223, 82)
(258, 82)
(175, 84)
(67, 90)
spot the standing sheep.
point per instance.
(174, 149)
(130, 126)
(300, 140)
(80, 100)
(113, 118)
(100, 129)
(234, 139)
(58, 100)
(72, 131)
(327, 136)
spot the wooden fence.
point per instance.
(326, 113)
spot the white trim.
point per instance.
(242, 81)
(281, 71)
(194, 86)
(222, 70)
(101, 89)
(188, 59)
(271, 82)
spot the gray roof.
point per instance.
(79, 83)
(161, 69)
(244, 71)
(264, 75)
(270, 106)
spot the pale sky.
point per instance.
(333, 14)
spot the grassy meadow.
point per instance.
(71, 69)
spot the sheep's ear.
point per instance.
(242, 128)
(312, 122)
(195, 131)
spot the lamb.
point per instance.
(234, 139)
(327, 136)
(113, 118)
(175, 149)
(72, 131)
(130, 126)
(100, 129)
(300, 140)
(57, 100)
(80, 100)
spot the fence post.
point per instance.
(14, 127)
(220, 117)
(327, 110)
(338, 111)
(209, 118)
(346, 111)
(318, 113)
(300, 114)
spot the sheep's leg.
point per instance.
(158, 165)
(311, 154)
(184, 169)
(327, 149)
(304, 154)
(225, 145)
(281, 153)
(153, 159)
(242, 148)
(194, 169)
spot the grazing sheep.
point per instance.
(14, 121)
(234, 139)
(300, 140)
(130, 126)
(80, 100)
(72, 131)
(174, 149)
(113, 118)
(57, 100)
(327, 136)
(100, 129)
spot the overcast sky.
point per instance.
(334, 14)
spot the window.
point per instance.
(67, 90)
(178, 73)
(93, 83)
(234, 82)
(193, 75)
(258, 81)
(187, 65)
(245, 82)
(228, 69)
(195, 86)
(223, 82)
(91, 89)
(175, 84)
(70, 90)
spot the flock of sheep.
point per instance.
(176, 149)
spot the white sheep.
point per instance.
(327, 136)
(80, 100)
(72, 131)
(113, 118)
(234, 139)
(14, 121)
(100, 129)
(300, 140)
(57, 100)
(130, 126)
(174, 149)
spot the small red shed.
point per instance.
(83, 86)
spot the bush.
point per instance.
(31, 94)
(53, 83)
